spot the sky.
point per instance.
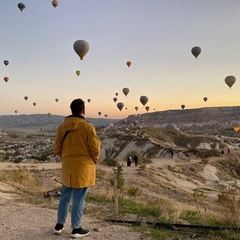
(155, 35)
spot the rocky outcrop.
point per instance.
(155, 143)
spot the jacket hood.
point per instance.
(72, 122)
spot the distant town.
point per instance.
(20, 147)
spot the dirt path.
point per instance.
(27, 222)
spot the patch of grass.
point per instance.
(184, 234)
(101, 173)
(130, 206)
(111, 162)
(142, 167)
(134, 192)
(224, 198)
(22, 179)
(192, 216)
(159, 209)
(97, 198)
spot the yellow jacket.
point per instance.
(79, 152)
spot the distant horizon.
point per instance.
(102, 117)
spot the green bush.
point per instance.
(110, 162)
(134, 192)
(224, 198)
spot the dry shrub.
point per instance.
(134, 192)
(102, 174)
(175, 168)
(22, 179)
(164, 210)
(145, 161)
(230, 202)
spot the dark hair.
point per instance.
(77, 106)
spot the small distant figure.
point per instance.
(228, 151)
(135, 160)
(129, 161)
(222, 152)
(171, 153)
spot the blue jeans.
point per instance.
(78, 195)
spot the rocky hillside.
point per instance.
(189, 116)
(156, 142)
(37, 121)
(211, 120)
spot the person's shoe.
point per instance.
(79, 232)
(58, 228)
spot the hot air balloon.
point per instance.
(230, 80)
(56, 99)
(114, 99)
(103, 129)
(99, 113)
(111, 125)
(81, 47)
(6, 62)
(16, 111)
(21, 6)
(196, 51)
(89, 100)
(129, 63)
(125, 91)
(49, 114)
(78, 72)
(205, 99)
(143, 100)
(147, 108)
(105, 115)
(182, 106)
(116, 94)
(34, 104)
(235, 125)
(6, 79)
(120, 106)
(54, 3)
(136, 108)
(26, 98)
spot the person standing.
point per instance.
(135, 160)
(222, 152)
(78, 147)
(170, 153)
(129, 161)
(228, 151)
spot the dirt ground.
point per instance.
(21, 221)
(27, 221)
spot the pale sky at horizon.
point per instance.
(155, 35)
